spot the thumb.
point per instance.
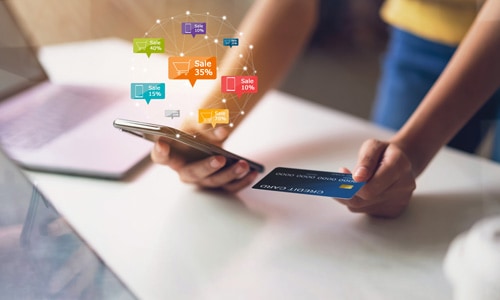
(215, 135)
(220, 134)
(369, 158)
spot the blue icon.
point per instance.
(231, 42)
(147, 91)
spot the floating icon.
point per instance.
(141, 46)
(230, 83)
(182, 67)
(138, 91)
(231, 42)
(213, 116)
(194, 28)
(192, 68)
(172, 113)
(239, 85)
(147, 91)
(149, 45)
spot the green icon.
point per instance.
(149, 45)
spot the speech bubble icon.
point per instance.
(192, 68)
(230, 42)
(147, 91)
(239, 85)
(213, 116)
(149, 45)
(172, 113)
(194, 28)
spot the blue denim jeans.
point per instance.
(411, 66)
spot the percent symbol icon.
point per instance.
(202, 72)
(248, 87)
(155, 93)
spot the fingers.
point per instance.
(223, 177)
(368, 159)
(161, 154)
(200, 171)
(219, 134)
(394, 168)
(391, 181)
(237, 185)
(344, 170)
(210, 173)
(215, 135)
(389, 204)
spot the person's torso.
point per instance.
(443, 21)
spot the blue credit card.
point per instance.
(309, 182)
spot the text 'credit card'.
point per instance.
(309, 182)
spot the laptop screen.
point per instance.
(19, 66)
(41, 257)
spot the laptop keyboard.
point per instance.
(42, 123)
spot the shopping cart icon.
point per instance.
(213, 116)
(182, 67)
(205, 117)
(141, 46)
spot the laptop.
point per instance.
(41, 256)
(60, 128)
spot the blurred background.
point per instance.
(339, 68)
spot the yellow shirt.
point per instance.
(444, 21)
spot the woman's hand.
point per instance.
(206, 173)
(390, 180)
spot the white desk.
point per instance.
(168, 240)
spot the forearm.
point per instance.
(278, 30)
(470, 78)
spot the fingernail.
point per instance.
(241, 171)
(343, 170)
(221, 133)
(215, 163)
(361, 172)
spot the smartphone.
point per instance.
(191, 148)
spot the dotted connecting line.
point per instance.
(179, 44)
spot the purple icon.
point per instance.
(194, 28)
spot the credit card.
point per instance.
(309, 182)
